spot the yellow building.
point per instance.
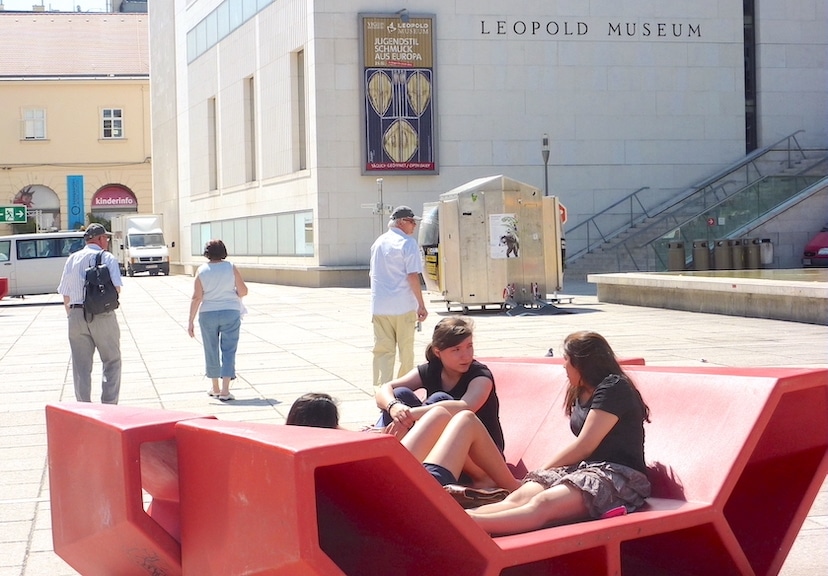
(74, 110)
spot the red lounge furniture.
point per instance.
(735, 465)
(736, 457)
(100, 459)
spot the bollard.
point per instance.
(737, 254)
(701, 255)
(722, 258)
(675, 256)
(752, 253)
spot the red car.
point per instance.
(816, 250)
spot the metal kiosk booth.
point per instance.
(498, 243)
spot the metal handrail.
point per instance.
(712, 184)
(734, 233)
(746, 162)
(591, 221)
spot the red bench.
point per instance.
(4, 287)
(737, 456)
(101, 460)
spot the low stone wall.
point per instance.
(751, 293)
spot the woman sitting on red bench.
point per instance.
(447, 444)
(451, 378)
(603, 470)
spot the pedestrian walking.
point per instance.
(87, 332)
(217, 294)
(396, 297)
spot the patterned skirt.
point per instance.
(604, 485)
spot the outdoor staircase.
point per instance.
(633, 234)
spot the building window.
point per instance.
(287, 234)
(301, 115)
(212, 144)
(112, 123)
(33, 124)
(249, 130)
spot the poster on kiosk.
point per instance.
(493, 241)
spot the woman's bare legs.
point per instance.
(225, 386)
(517, 498)
(425, 434)
(561, 503)
(455, 441)
(465, 437)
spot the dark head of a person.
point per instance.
(93, 232)
(593, 357)
(215, 250)
(314, 409)
(449, 332)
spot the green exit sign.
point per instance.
(13, 214)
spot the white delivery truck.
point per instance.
(138, 243)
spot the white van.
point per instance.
(33, 263)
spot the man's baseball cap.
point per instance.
(403, 212)
(93, 231)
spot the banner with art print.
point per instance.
(398, 94)
(504, 240)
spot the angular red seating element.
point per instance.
(4, 287)
(736, 456)
(284, 500)
(623, 361)
(100, 459)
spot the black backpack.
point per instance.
(100, 294)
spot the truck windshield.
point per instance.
(139, 240)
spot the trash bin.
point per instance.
(737, 254)
(675, 256)
(701, 255)
(752, 253)
(722, 259)
(766, 252)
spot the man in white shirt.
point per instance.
(86, 333)
(396, 297)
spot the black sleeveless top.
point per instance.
(488, 413)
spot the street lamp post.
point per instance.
(545, 154)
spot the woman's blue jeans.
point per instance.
(410, 399)
(220, 337)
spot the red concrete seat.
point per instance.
(4, 287)
(736, 457)
(293, 501)
(101, 459)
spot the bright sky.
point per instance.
(57, 5)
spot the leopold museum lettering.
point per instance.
(565, 28)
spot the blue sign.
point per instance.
(74, 187)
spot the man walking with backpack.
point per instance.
(88, 332)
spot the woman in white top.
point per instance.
(217, 296)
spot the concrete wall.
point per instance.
(792, 78)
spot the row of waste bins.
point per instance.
(738, 254)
